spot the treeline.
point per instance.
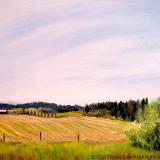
(37, 105)
(126, 110)
(41, 112)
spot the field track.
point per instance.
(23, 128)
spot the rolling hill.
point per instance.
(26, 128)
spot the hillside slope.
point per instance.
(27, 128)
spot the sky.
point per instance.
(79, 51)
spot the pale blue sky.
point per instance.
(79, 51)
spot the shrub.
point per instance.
(133, 136)
(157, 136)
(148, 136)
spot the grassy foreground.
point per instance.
(72, 151)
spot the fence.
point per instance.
(40, 137)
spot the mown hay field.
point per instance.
(24, 128)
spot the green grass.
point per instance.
(69, 151)
(69, 114)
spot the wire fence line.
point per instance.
(40, 137)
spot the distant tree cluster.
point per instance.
(39, 105)
(126, 110)
(68, 108)
(41, 112)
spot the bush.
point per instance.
(148, 136)
(134, 138)
(157, 136)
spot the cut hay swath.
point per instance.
(23, 128)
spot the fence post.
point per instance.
(40, 136)
(4, 137)
(78, 137)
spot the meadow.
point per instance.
(100, 138)
(74, 151)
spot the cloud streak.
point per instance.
(79, 51)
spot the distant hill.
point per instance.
(37, 105)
